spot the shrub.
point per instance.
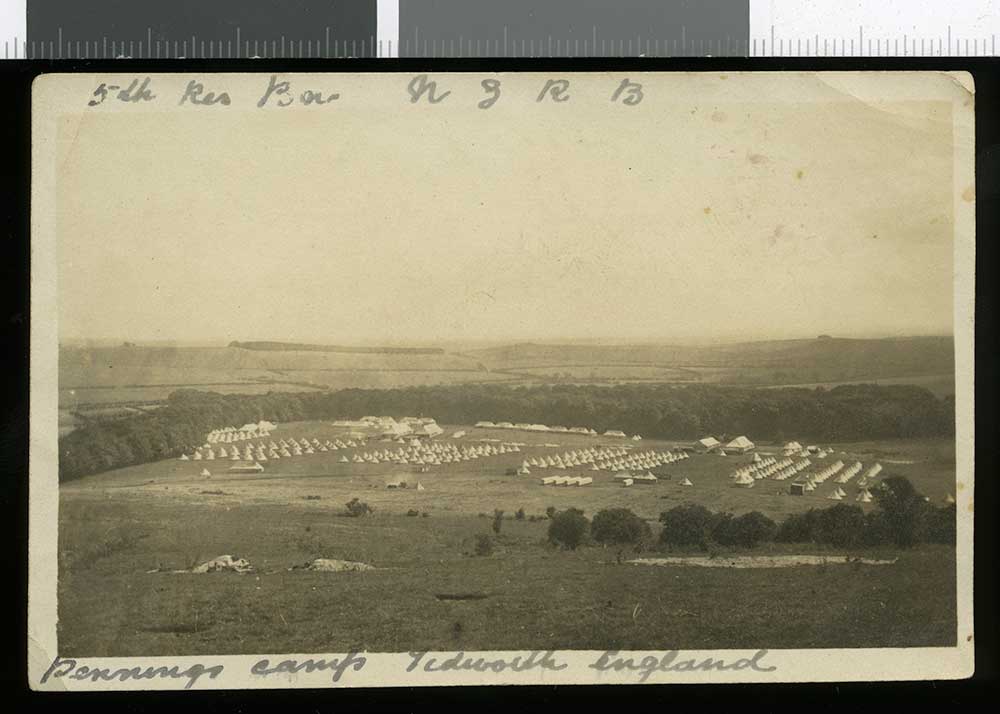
(497, 521)
(798, 528)
(618, 525)
(411, 513)
(519, 514)
(568, 528)
(356, 508)
(687, 524)
(841, 525)
(750, 529)
(941, 525)
(905, 511)
(550, 512)
(484, 544)
(719, 530)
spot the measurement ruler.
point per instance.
(287, 29)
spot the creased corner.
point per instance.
(39, 660)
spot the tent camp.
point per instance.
(744, 480)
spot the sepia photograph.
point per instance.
(390, 379)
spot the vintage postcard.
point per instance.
(392, 379)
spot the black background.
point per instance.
(15, 83)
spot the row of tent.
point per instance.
(567, 481)
(258, 450)
(230, 434)
(603, 458)
(432, 453)
(240, 468)
(582, 430)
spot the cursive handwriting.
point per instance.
(264, 668)
(279, 93)
(460, 662)
(72, 669)
(647, 666)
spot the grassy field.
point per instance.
(115, 527)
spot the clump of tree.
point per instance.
(745, 531)
(903, 517)
(689, 524)
(618, 526)
(568, 529)
(357, 508)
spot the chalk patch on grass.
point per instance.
(760, 561)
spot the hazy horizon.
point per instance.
(691, 217)
(471, 344)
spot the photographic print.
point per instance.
(396, 379)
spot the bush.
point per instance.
(798, 528)
(519, 514)
(550, 512)
(719, 530)
(497, 521)
(618, 525)
(749, 529)
(905, 511)
(568, 528)
(411, 513)
(687, 524)
(941, 525)
(356, 508)
(484, 544)
(841, 525)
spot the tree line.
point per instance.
(844, 413)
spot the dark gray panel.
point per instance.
(196, 28)
(576, 28)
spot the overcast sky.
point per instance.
(679, 219)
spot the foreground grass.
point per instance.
(536, 597)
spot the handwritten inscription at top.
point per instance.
(421, 89)
(135, 92)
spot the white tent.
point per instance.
(949, 500)
(740, 444)
(184, 457)
(205, 472)
(686, 482)
(708, 443)
(744, 480)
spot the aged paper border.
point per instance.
(55, 94)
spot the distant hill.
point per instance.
(890, 357)
(133, 374)
(300, 347)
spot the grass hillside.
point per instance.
(134, 374)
